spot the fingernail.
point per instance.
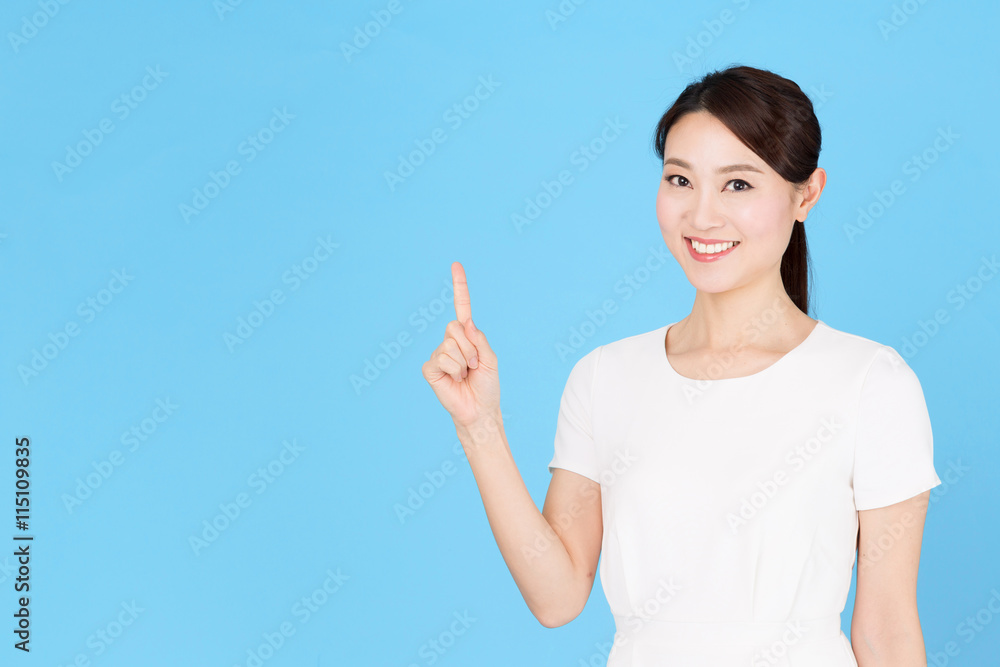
(473, 324)
(474, 362)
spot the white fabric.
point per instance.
(730, 506)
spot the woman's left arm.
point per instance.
(885, 627)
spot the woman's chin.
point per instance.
(718, 286)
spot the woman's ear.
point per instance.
(810, 193)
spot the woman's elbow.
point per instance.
(887, 641)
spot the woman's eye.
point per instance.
(679, 177)
(746, 185)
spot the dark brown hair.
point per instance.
(775, 119)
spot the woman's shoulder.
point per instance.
(636, 345)
(854, 351)
(626, 355)
(847, 342)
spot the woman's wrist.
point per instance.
(485, 430)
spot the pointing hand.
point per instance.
(462, 370)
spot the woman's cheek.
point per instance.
(761, 219)
(666, 213)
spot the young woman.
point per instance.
(729, 466)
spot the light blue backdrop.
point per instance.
(200, 248)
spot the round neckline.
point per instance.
(662, 340)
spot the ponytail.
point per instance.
(795, 267)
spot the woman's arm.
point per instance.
(885, 628)
(553, 554)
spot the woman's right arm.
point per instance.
(552, 554)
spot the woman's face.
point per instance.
(714, 188)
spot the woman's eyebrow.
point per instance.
(722, 170)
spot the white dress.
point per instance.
(730, 505)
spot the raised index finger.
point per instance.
(463, 307)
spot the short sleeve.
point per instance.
(894, 450)
(575, 449)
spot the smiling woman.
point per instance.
(720, 471)
(767, 124)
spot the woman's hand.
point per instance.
(462, 370)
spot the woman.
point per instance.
(730, 466)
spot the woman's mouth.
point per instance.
(709, 252)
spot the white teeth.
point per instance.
(711, 249)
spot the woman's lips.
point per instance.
(708, 257)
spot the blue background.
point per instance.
(881, 97)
